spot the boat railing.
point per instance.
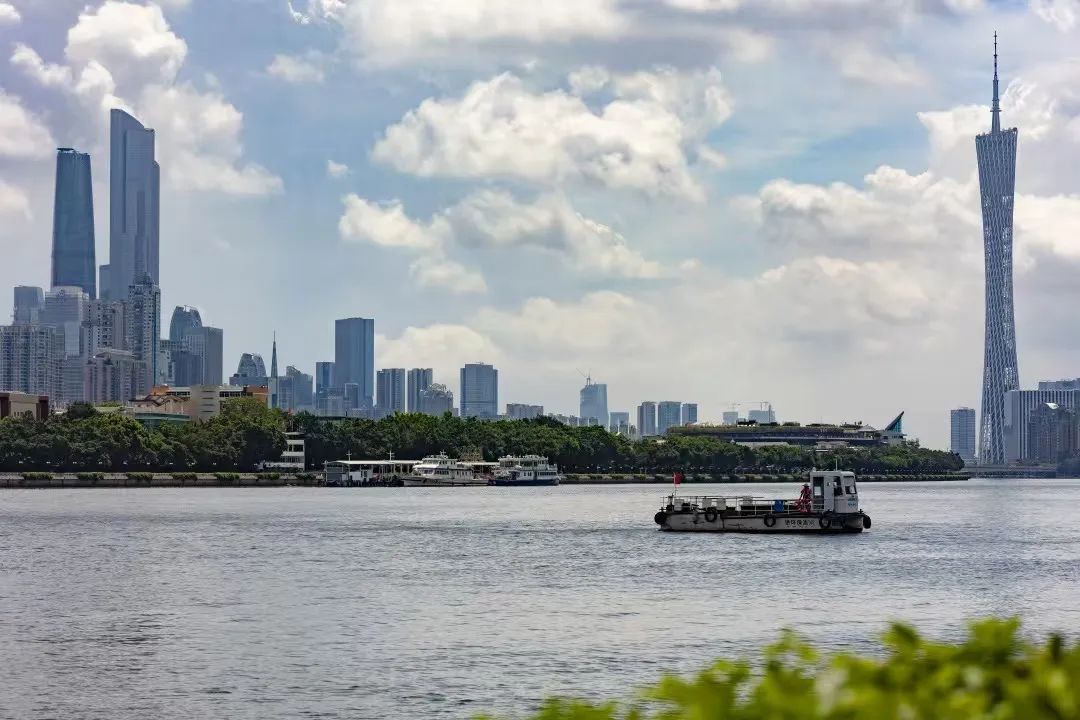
(739, 504)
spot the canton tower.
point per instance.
(996, 151)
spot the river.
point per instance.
(407, 603)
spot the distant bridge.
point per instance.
(1011, 471)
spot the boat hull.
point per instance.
(426, 482)
(544, 482)
(682, 521)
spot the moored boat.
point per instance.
(525, 471)
(442, 471)
(829, 504)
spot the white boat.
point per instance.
(832, 507)
(442, 471)
(524, 471)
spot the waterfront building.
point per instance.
(689, 413)
(1073, 384)
(593, 406)
(251, 370)
(390, 391)
(819, 436)
(294, 457)
(962, 432)
(1019, 404)
(31, 358)
(24, 405)
(436, 399)
(617, 420)
(134, 206)
(29, 302)
(668, 415)
(520, 411)
(762, 415)
(354, 359)
(646, 418)
(1053, 433)
(199, 402)
(110, 376)
(996, 154)
(66, 308)
(420, 379)
(143, 327)
(731, 417)
(73, 262)
(479, 391)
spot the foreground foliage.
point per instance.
(992, 675)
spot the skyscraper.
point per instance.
(619, 422)
(420, 379)
(144, 330)
(29, 301)
(73, 223)
(593, 406)
(668, 415)
(324, 385)
(689, 413)
(354, 358)
(996, 152)
(962, 433)
(184, 319)
(479, 391)
(31, 358)
(436, 399)
(251, 370)
(646, 418)
(134, 201)
(390, 391)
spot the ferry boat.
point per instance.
(524, 471)
(831, 506)
(442, 471)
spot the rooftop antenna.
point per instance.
(995, 110)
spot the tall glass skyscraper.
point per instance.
(73, 224)
(593, 407)
(134, 198)
(479, 391)
(996, 152)
(354, 358)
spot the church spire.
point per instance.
(995, 110)
(273, 358)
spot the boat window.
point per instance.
(851, 490)
(819, 491)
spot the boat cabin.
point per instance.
(834, 491)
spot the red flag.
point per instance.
(677, 478)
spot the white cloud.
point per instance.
(336, 170)
(859, 61)
(445, 348)
(436, 271)
(13, 201)
(174, 4)
(1063, 14)
(317, 11)
(501, 128)
(9, 15)
(47, 74)
(386, 225)
(298, 69)
(22, 134)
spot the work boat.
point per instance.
(441, 471)
(525, 470)
(830, 506)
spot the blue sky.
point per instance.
(700, 200)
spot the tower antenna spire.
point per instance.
(995, 110)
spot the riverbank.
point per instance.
(44, 481)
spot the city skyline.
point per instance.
(852, 252)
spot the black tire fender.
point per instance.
(660, 518)
(711, 514)
(866, 522)
(770, 520)
(825, 522)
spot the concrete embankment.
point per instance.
(121, 480)
(734, 478)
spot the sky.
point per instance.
(713, 201)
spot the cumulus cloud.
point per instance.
(336, 170)
(443, 347)
(22, 134)
(9, 15)
(502, 128)
(125, 55)
(298, 69)
(387, 225)
(437, 271)
(1063, 14)
(13, 201)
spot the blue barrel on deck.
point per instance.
(778, 506)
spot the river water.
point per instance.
(408, 603)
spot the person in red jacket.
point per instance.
(804, 502)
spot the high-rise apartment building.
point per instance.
(144, 331)
(66, 308)
(73, 262)
(436, 400)
(420, 379)
(668, 415)
(479, 391)
(1053, 433)
(689, 413)
(29, 302)
(593, 406)
(390, 391)
(31, 359)
(104, 327)
(962, 433)
(646, 418)
(1019, 404)
(110, 376)
(521, 411)
(619, 422)
(134, 206)
(763, 415)
(354, 359)
(730, 417)
(996, 153)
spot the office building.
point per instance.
(134, 207)
(479, 391)
(619, 422)
(73, 262)
(730, 417)
(184, 320)
(1019, 404)
(668, 415)
(294, 391)
(996, 154)
(646, 418)
(593, 407)
(24, 406)
(143, 325)
(419, 380)
(689, 413)
(1060, 384)
(436, 399)
(251, 370)
(962, 433)
(324, 386)
(66, 309)
(29, 302)
(195, 351)
(110, 376)
(1053, 433)
(762, 415)
(390, 391)
(520, 411)
(31, 358)
(354, 360)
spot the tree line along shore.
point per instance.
(247, 433)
